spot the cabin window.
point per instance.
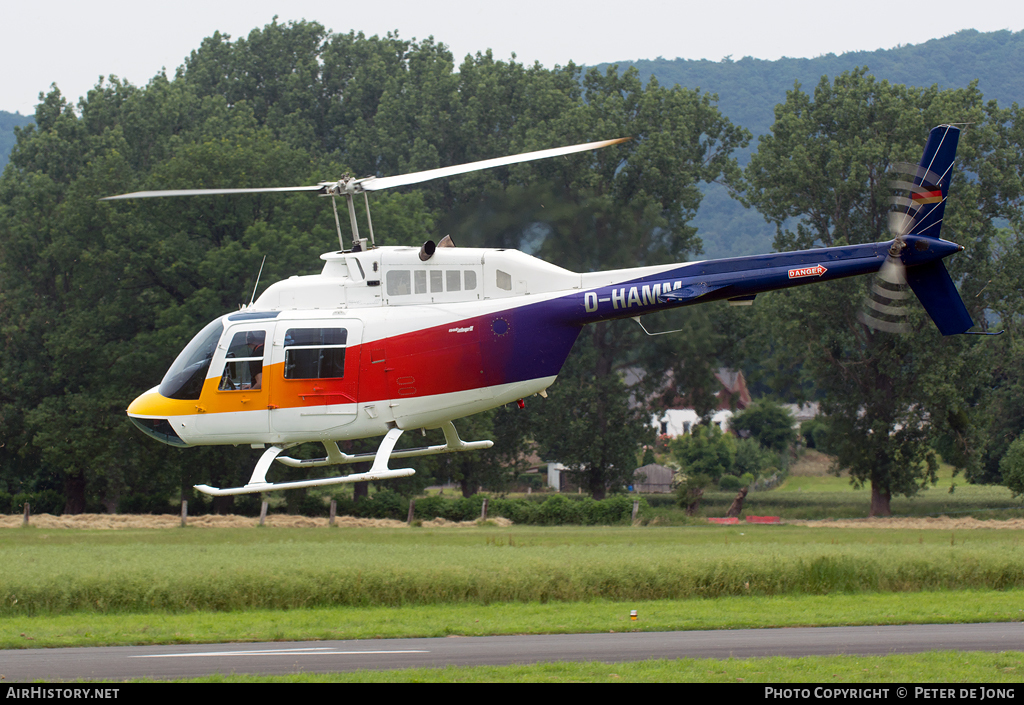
(314, 353)
(420, 280)
(436, 281)
(504, 280)
(243, 366)
(399, 282)
(470, 280)
(454, 282)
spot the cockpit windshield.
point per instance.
(185, 378)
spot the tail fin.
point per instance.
(930, 281)
(931, 178)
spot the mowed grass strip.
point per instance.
(330, 623)
(947, 667)
(65, 571)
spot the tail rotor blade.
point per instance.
(886, 306)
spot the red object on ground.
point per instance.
(764, 520)
(723, 520)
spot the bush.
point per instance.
(386, 504)
(518, 511)
(558, 510)
(246, 505)
(431, 508)
(144, 504)
(770, 424)
(752, 459)
(729, 483)
(815, 434)
(45, 502)
(617, 509)
(690, 491)
(533, 480)
(706, 451)
(1012, 467)
(309, 506)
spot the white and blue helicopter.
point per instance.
(389, 339)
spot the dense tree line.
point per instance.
(96, 299)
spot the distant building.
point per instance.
(680, 422)
(802, 412)
(734, 393)
(653, 478)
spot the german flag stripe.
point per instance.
(927, 197)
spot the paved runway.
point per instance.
(124, 662)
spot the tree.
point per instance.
(886, 398)
(706, 451)
(1003, 294)
(1012, 467)
(770, 424)
(589, 425)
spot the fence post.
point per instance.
(412, 507)
(184, 511)
(263, 512)
(483, 510)
(24, 520)
(636, 508)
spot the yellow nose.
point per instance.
(152, 413)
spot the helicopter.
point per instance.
(389, 339)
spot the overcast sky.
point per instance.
(73, 43)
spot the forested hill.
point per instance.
(8, 121)
(749, 89)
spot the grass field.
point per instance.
(65, 587)
(60, 572)
(935, 667)
(810, 492)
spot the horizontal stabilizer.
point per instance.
(934, 287)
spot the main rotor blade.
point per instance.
(376, 184)
(211, 192)
(373, 183)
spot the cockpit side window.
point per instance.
(503, 280)
(314, 353)
(243, 366)
(184, 380)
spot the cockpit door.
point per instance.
(236, 392)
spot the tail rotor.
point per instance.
(886, 307)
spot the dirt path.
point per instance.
(943, 522)
(170, 521)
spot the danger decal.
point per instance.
(815, 271)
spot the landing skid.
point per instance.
(378, 471)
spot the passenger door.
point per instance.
(316, 375)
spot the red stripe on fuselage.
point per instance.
(438, 360)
